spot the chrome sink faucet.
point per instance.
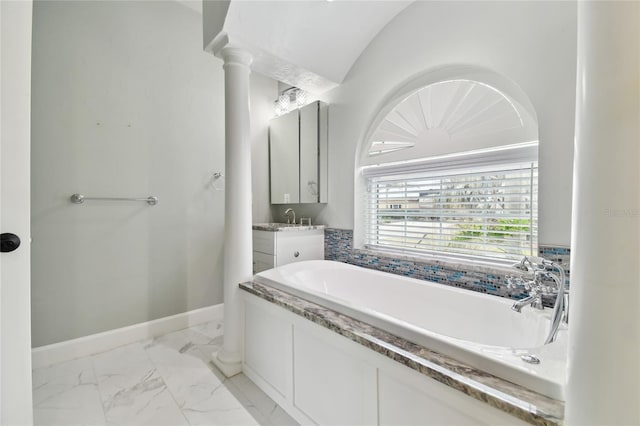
(534, 270)
(286, 213)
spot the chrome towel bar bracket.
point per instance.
(79, 199)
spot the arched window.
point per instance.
(450, 169)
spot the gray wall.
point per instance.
(126, 103)
(531, 43)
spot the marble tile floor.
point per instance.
(165, 381)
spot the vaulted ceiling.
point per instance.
(308, 44)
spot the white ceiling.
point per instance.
(195, 5)
(308, 44)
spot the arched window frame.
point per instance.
(522, 152)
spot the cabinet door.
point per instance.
(284, 152)
(406, 397)
(309, 185)
(332, 384)
(262, 262)
(264, 241)
(268, 341)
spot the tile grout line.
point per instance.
(242, 390)
(95, 375)
(266, 417)
(227, 381)
(159, 371)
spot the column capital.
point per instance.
(236, 56)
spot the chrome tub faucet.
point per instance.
(533, 272)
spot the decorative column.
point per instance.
(237, 235)
(604, 322)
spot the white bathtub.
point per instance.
(473, 328)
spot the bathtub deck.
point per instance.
(514, 399)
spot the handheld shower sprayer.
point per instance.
(534, 270)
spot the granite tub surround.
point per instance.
(285, 227)
(476, 277)
(516, 400)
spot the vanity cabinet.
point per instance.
(298, 155)
(276, 248)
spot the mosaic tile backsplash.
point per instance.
(338, 246)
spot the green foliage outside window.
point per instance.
(503, 228)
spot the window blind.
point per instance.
(485, 209)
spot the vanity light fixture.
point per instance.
(289, 100)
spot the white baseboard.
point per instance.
(43, 356)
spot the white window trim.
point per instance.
(509, 154)
(514, 153)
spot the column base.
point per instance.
(228, 368)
